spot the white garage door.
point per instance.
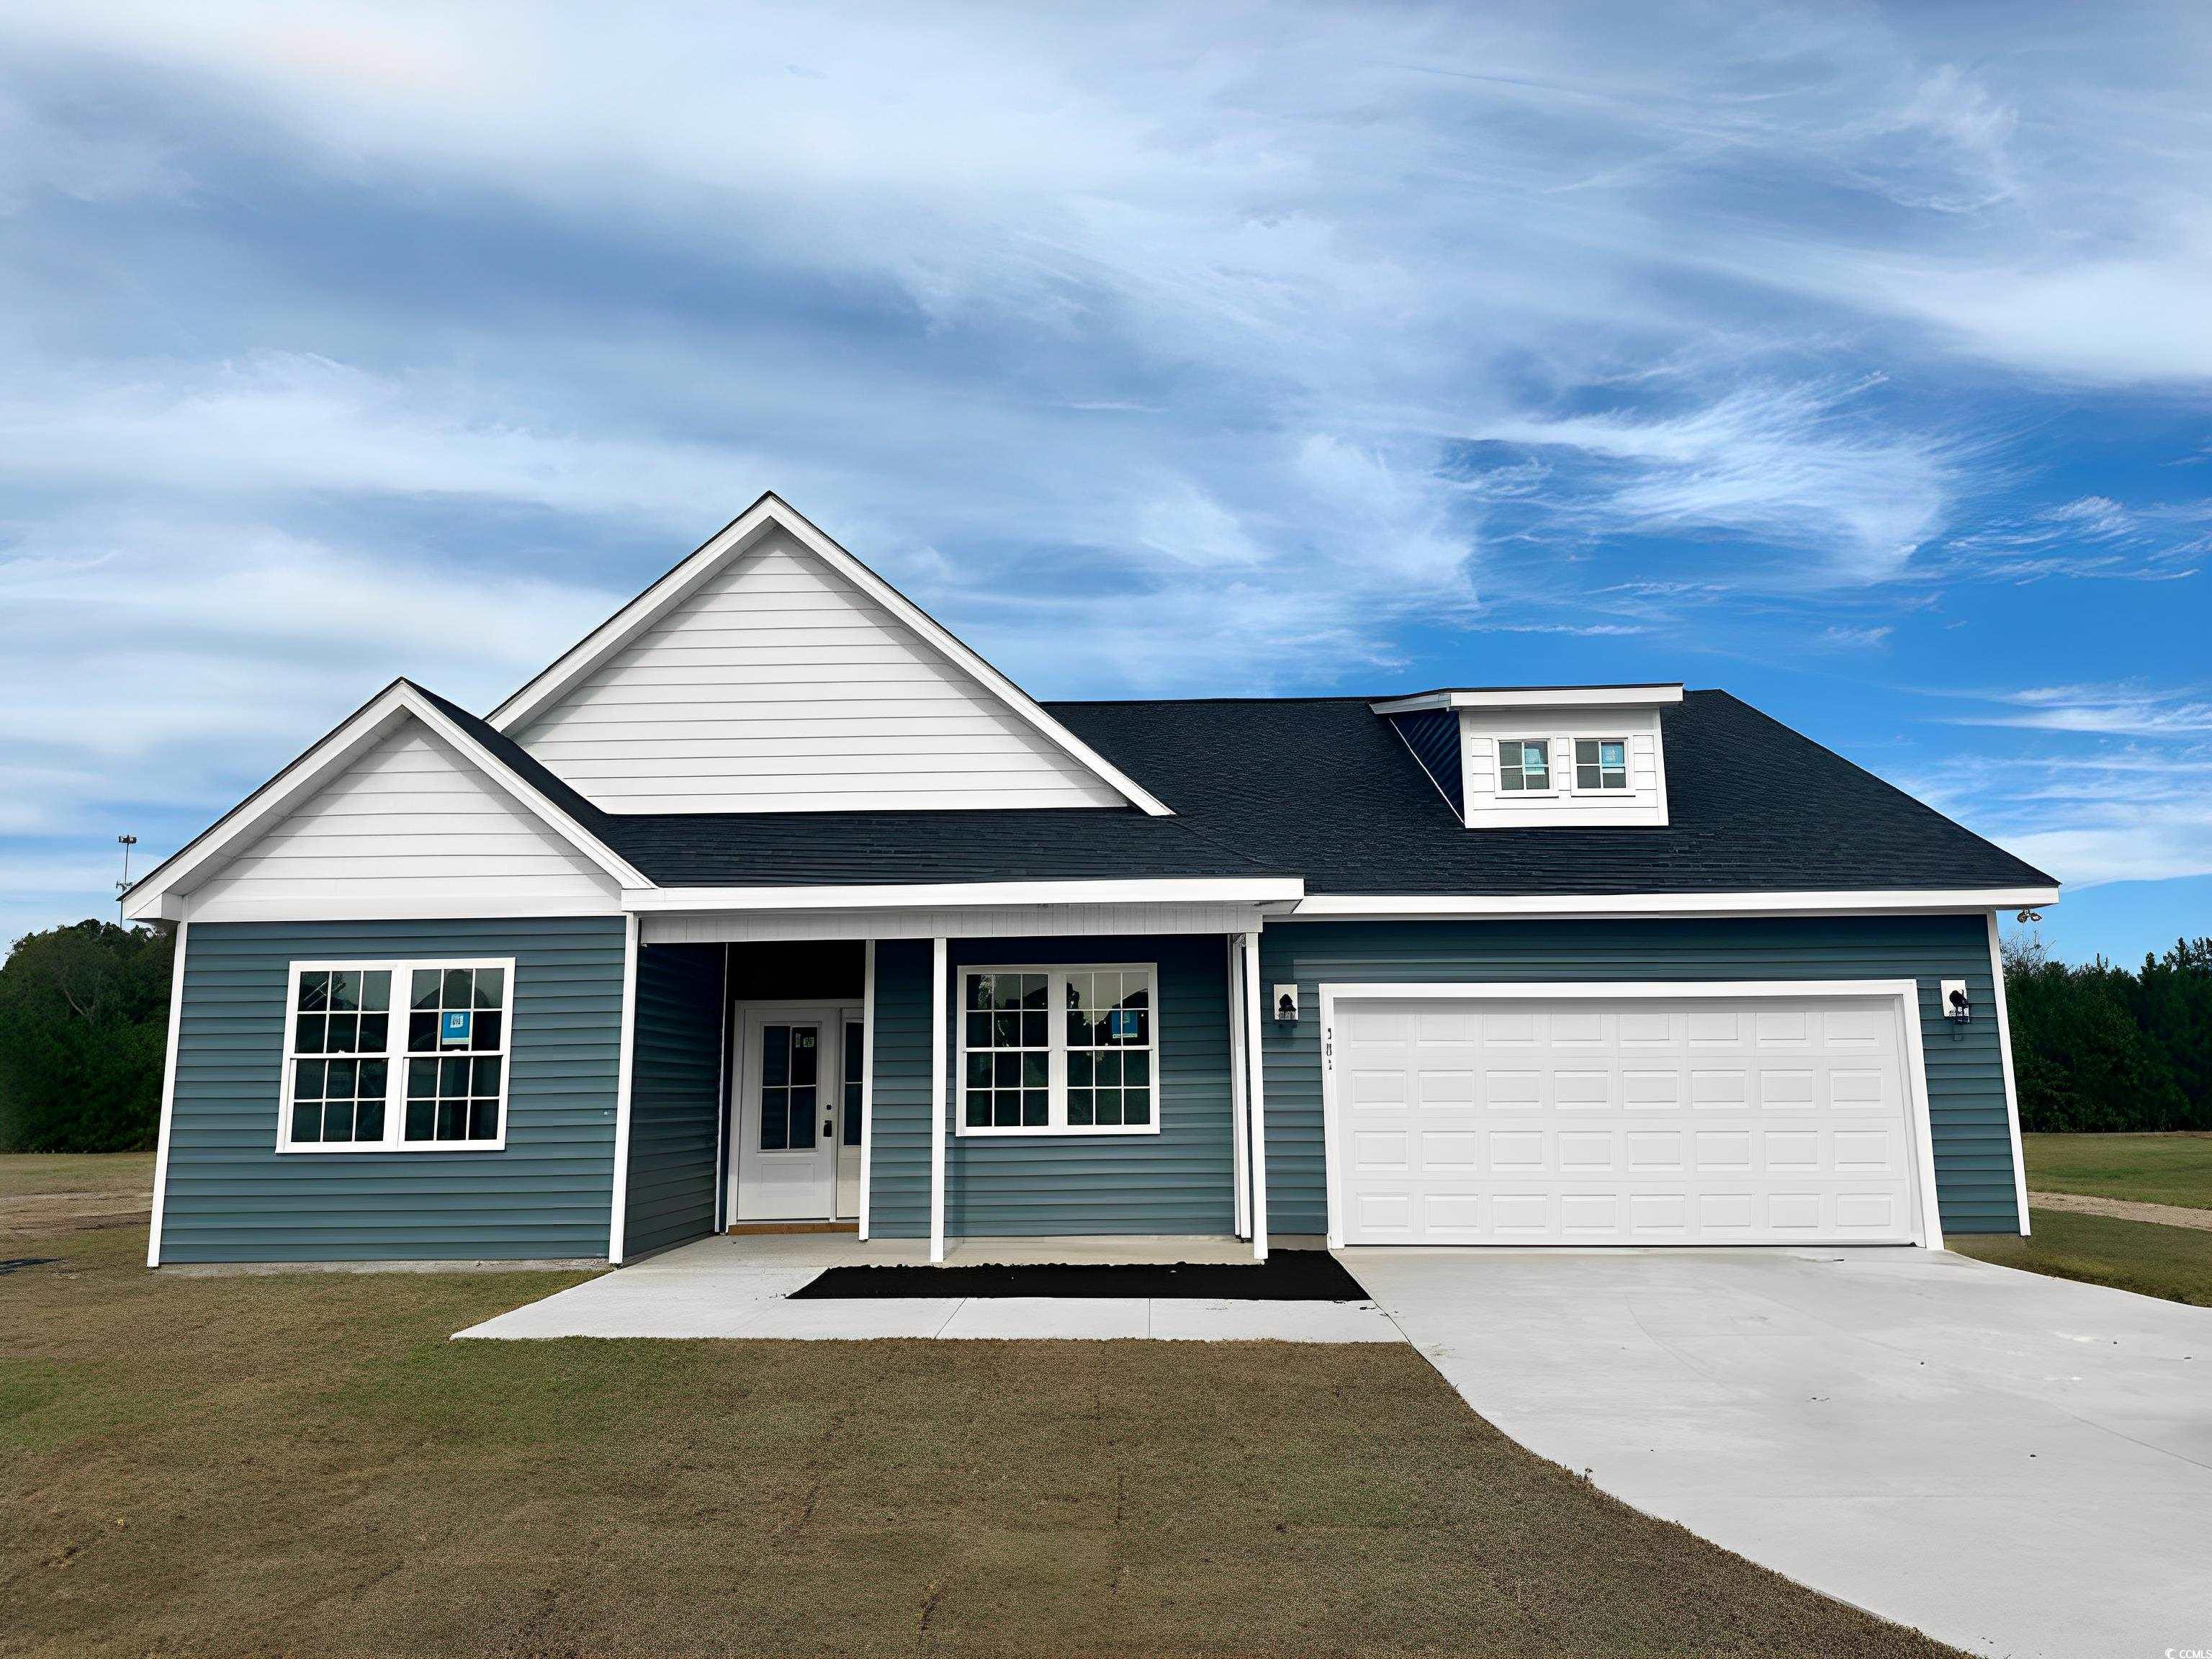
(1720, 1120)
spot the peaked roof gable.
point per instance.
(676, 676)
(359, 737)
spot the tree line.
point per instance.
(84, 1017)
(2101, 1048)
(84, 1028)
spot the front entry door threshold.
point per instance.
(743, 1227)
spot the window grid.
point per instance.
(340, 1076)
(455, 1066)
(1601, 763)
(1059, 1050)
(1007, 1055)
(1109, 1039)
(1524, 764)
(791, 1077)
(361, 1075)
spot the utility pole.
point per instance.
(124, 886)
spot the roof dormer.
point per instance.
(1523, 756)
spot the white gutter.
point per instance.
(1203, 889)
(1890, 901)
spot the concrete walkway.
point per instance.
(2014, 1464)
(737, 1287)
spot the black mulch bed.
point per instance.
(1284, 1276)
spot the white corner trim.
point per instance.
(867, 1081)
(1650, 696)
(2011, 1084)
(1197, 889)
(938, 991)
(1904, 996)
(724, 1124)
(734, 539)
(618, 1213)
(1833, 901)
(159, 892)
(169, 1093)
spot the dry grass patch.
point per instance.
(305, 1464)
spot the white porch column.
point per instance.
(867, 1079)
(1255, 1090)
(624, 1066)
(936, 995)
(1238, 1129)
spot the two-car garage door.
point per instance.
(1630, 1118)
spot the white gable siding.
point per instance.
(781, 687)
(409, 828)
(1488, 807)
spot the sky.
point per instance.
(1855, 360)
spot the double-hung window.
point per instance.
(397, 1056)
(1068, 1050)
(1524, 765)
(1601, 763)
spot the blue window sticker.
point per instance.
(1121, 1025)
(455, 1026)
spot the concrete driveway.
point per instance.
(2014, 1464)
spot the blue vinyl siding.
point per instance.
(1966, 1079)
(232, 1198)
(1433, 736)
(1179, 1180)
(675, 1096)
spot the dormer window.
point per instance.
(1601, 763)
(1524, 765)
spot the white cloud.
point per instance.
(275, 422)
(1779, 465)
(2124, 710)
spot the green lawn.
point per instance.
(2169, 1168)
(303, 1464)
(2173, 1262)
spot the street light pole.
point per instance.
(124, 886)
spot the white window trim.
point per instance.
(1574, 770)
(395, 1057)
(1550, 770)
(1056, 996)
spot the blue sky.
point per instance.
(1855, 360)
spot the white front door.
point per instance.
(790, 1103)
(1659, 1120)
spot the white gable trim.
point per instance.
(162, 894)
(736, 538)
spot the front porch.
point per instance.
(1085, 1083)
(739, 1288)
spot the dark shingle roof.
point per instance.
(1324, 788)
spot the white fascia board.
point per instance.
(1538, 696)
(158, 895)
(733, 540)
(1346, 905)
(1199, 889)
